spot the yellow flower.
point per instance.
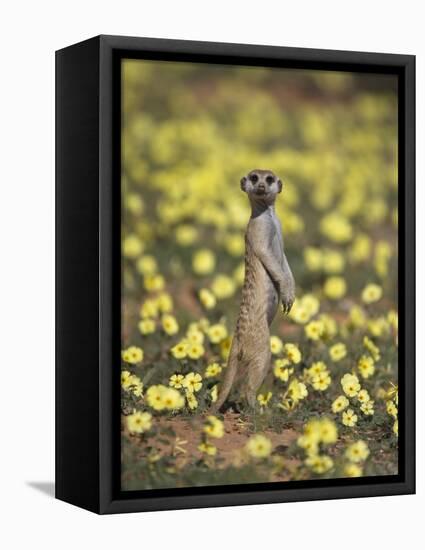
(172, 399)
(366, 366)
(276, 344)
(357, 452)
(131, 382)
(299, 314)
(333, 261)
(126, 377)
(192, 382)
(132, 355)
(392, 409)
(149, 309)
(214, 427)
(214, 393)
(146, 326)
(195, 351)
(139, 422)
(186, 234)
(367, 408)
(353, 470)
(176, 381)
(212, 370)
(147, 265)
(259, 446)
(321, 381)
(203, 262)
(316, 368)
(371, 293)
(225, 346)
(207, 448)
(372, 348)
(169, 324)
(310, 303)
(335, 287)
(357, 317)
(155, 397)
(304, 308)
(223, 287)
(134, 203)
(137, 386)
(207, 298)
(337, 351)
(281, 369)
(328, 431)
(363, 396)
(349, 418)
(313, 258)
(132, 246)
(217, 333)
(179, 351)
(309, 444)
(235, 244)
(312, 429)
(336, 228)
(378, 327)
(350, 384)
(297, 390)
(192, 402)
(194, 335)
(264, 398)
(164, 302)
(314, 330)
(153, 283)
(360, 249)
(293, 353)
(340, 404)
(319, 464)
(329, 326)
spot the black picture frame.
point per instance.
(88, 273)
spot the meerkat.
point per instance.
(268, 281)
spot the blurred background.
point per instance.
(191, 131)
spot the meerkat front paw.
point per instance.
(287, 301)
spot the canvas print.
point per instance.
(259, 291)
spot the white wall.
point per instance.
(30, 32)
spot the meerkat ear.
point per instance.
(243, 184)
(279, 186)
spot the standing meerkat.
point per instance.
(268, 280)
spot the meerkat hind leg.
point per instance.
(255, 375)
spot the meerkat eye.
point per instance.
(253, 178)
(270, 179)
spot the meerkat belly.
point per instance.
(259, 302)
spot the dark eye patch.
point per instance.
(253, 178)
(270, 179)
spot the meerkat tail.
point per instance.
(229, 376)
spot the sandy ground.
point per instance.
(230, 446)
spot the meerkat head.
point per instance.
(261, 185)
